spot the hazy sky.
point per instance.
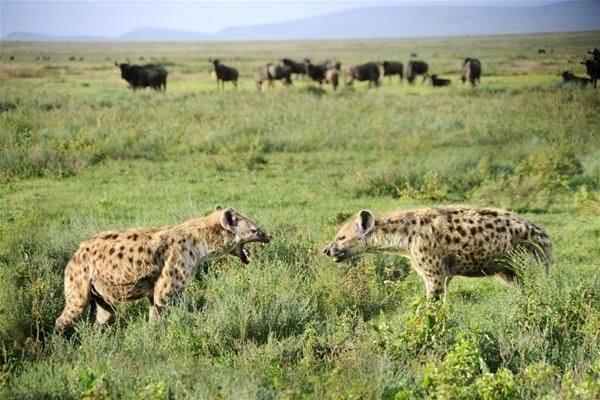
(112, 18)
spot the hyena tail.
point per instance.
(77, 294)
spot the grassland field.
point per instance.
(81, 153)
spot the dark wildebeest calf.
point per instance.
(569, 77)
(416, 68)
(274, 72)
(365, 72)
(223, 74)
(391, 68)
(298, 68)
(322, 74)
(438, 82)
(471, 71)
(593, 70)
(142, 76)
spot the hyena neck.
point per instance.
(203, 239)
(392, 233)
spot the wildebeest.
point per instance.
(225, 73)
(274, 72)
(414, 55)
(437, 82)
(297, 67)
(593, 70)
(595, 53)
(365, 72)
(72, 58)
(541, 51)
(569, 77)
(12, 58)
(142, 76)
(316, 72)
(471, 71)
(391, 68)
(416, 68)
(332, 76)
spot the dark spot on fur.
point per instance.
(473, 230)
(191, 254)
(461, 231)
(500, 229)
(114, 266)
(456, 239)
(135, 237)
(120, 255)
(489, 212)
(130, 260)
(489, 226)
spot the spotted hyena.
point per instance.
(442, 242)
(155, 263)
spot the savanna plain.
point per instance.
(80, 153)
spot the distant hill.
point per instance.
(385, 22)
(40, 37)
(158, 34)
(412, 21)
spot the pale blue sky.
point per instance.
(112, 18)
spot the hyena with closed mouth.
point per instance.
(156, 263)
(443, 242)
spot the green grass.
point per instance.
(80, 153)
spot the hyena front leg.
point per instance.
(434, 272)
(175, 276)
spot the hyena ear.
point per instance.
(229, 219)
(218, 207)
(365, 222)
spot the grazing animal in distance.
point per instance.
(142, 76)
(315, 72)
(595, 53)
(225, 73)
(274, 72)
(471, 71)
(298, 68)
(155, 263)
(370, 72)
(416, 68)
(439, 82)
(332, 77)
(593, 69)
(541, 51)
(443, 242)
(391, 68)
(569, 77)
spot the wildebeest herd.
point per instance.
(592, 68)
(330, 72)
(325, 72)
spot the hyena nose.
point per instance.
(326, 250)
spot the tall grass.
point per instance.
(81, 154)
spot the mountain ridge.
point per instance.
(404, 21)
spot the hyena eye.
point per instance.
(340, 238)
(253, 230)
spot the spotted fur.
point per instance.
(442, 242)
(155, 263)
